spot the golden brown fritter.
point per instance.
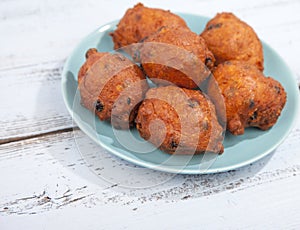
(251, 99)
(111, 86)
(140, 21)
(179, 121)
(177, 55)
(229, 38)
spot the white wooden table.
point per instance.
(44, 182)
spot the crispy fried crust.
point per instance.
(229, 38)
(180, 57)
(111, 86)
(140, 21)
(251, 99)
(179, 121)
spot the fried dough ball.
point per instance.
(140, 21)
(176, 55)
(111, 86)
(229, 38)
(251, 99)
(180, 121)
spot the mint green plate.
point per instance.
(239, 150)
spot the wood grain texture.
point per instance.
(51, 29)
(253, 208)
(52, 177)
(68, 181)
(32, 101)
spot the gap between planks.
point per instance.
(21, 138)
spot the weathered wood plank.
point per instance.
(32, 101)
(61, 177)
(51, 29)
(253, 208)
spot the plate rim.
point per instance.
(161, 167)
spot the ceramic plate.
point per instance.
(239, 150)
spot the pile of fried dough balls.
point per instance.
(177, 115)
